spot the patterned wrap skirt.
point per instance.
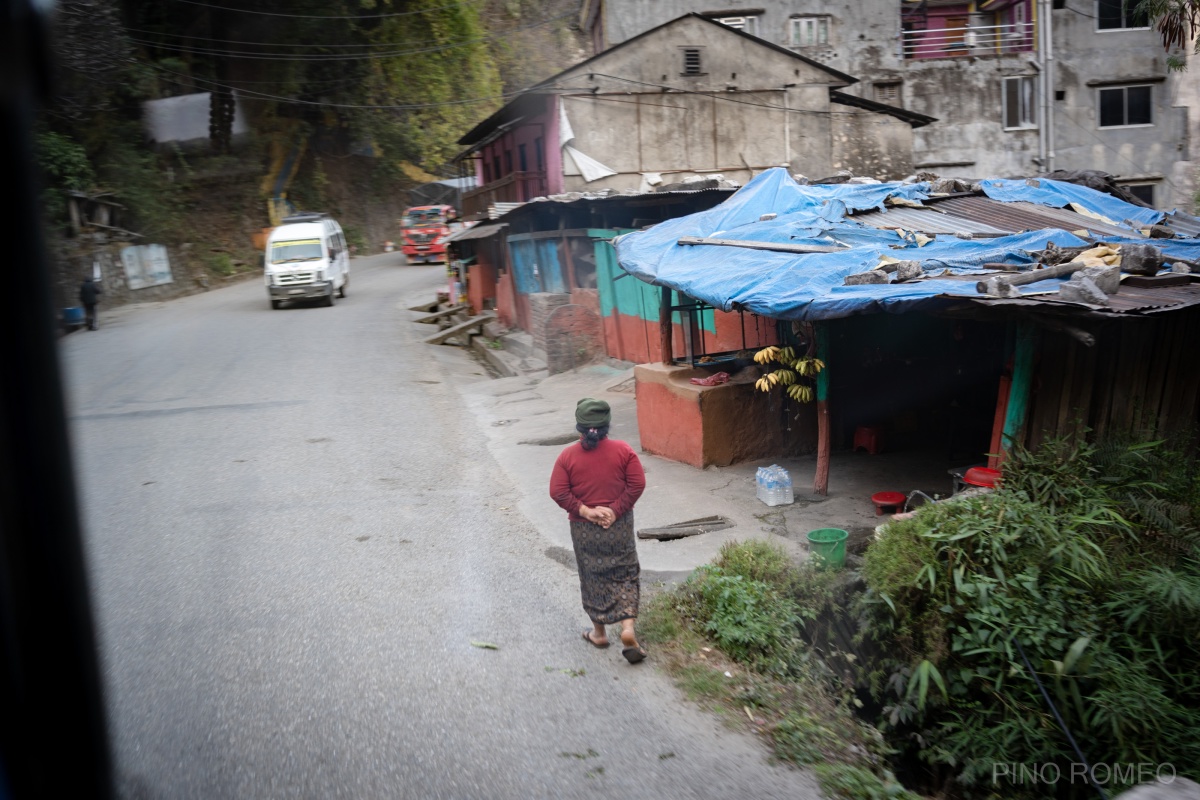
(609, 571)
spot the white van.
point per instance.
(306, 258)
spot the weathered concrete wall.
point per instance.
(767, 109)
(871, 144)
(862, 35)
(1088, 58)
(965, 93)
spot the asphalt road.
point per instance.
(295, 533)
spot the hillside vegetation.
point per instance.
(372, 93)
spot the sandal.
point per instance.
(634, 655)
(587, 637)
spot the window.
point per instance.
(1125, 105)
(508, 162)
(888, 93)
(1119, 14)
(1142, 191)
(537, 153)
(809, 31)
(522, 163)
(1020, 109)
(691, 61)
(747, 24)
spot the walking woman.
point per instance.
(597, 480)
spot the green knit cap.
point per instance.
(593, 413)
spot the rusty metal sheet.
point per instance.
(1020, 216)
(926, 220)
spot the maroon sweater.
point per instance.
(610, 475)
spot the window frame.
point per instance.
(751, 29)
(1127, 9)
(888, 87)
(1023, 125)
(819, 22)
(1153, 187)
(1124, 89)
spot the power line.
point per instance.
(295, 101)
(331, 16)
(247, 55)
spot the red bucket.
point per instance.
(982, 476)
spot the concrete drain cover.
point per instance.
(550, 441)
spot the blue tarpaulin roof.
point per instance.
(811, 286)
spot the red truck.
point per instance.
(423, 232)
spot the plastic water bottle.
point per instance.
(774, 485)
(785, 488)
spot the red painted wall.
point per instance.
(670, 425)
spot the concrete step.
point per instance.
(506, 362)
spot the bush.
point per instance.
(748, 619)
(1083, 566)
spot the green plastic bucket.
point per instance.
(829, 546)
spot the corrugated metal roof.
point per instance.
(927, 220)
(1184, 224)
(476, 232)
(1129, 300)
(1022, 216)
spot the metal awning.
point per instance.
(476, 232)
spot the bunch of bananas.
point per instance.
(780, 377)
(800, 392)
(809, 366)
(794, 368)
(784, 355)
(766, 355)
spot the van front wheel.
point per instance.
(276, 304)
(329, 298)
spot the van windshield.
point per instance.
(296, 250)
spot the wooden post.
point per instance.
(1022, 385)
(821, 478)
(664, 327)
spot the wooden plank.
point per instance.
(462, 327)
(435, 316)
(1160, 356)
(779, 247)
(425, 307)
(665, 329)
(1190, 380)
(821, 474)
(1064, 424)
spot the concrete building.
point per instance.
(978, 67)
(687, 97)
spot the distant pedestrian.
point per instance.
(89, 295)
(597, 480)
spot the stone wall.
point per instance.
(541, 306)
(574, 336)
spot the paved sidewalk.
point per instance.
(528, 420)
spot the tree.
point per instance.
(1178, 22)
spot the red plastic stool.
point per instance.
(868, 438)
(887, 500)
